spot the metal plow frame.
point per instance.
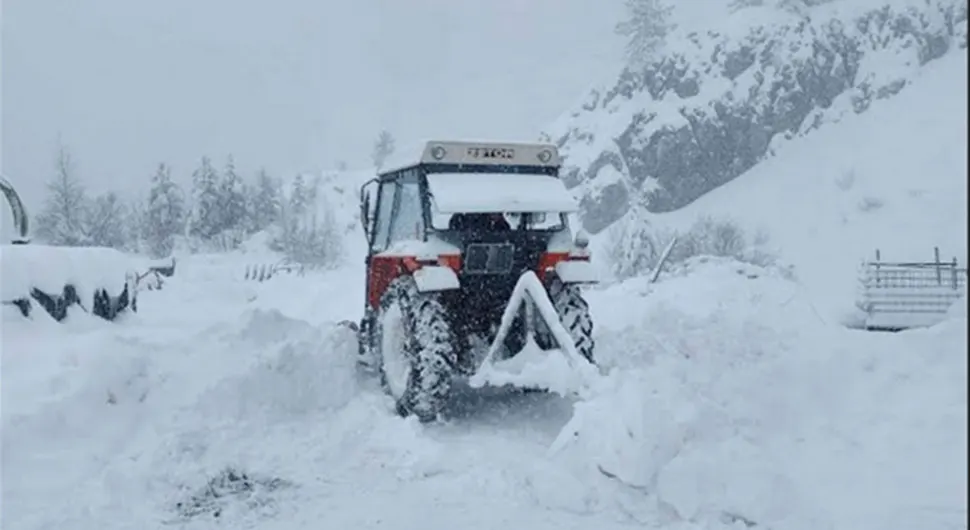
(530, 291)
(21, 221)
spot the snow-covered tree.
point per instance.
(164, 214)
(104, 221)
(206, 220)
(383, 148)
(135, 224)
(299, 197)
(646, 27)
(61, 221)
(264, 207)
(307, 228)
(798, 7)
(232, 200)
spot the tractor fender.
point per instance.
(576, 271)
(435, 278)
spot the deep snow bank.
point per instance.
(119, 423)
(713, 106)
(737, 403)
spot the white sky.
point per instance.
(290, 84)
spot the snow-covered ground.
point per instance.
(726, 399)
(729, 396)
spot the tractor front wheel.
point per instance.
(574, 314)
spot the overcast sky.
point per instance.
(290, 84)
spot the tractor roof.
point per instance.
(480, 153)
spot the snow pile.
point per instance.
(50, 269)
(303, 368)
(723, 98)
(728, 400)
(736, 404)
(125, 420)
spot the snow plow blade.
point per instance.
(561, 370)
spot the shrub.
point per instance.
(311, 238)
(635, 247)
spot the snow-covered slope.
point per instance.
(236, 404)
(893, 178)
(721, 98)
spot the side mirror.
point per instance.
(365, 204)
(365, 213)
(581, 239)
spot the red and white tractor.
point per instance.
(470, 262)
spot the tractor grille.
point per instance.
(488, 258)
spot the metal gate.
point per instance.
(903, 295)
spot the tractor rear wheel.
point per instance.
(414, 343)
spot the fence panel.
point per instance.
(905, 295)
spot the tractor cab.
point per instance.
(457, 226)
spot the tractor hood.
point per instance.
(499, 192)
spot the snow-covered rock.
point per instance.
(720, 99)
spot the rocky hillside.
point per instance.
(719, 101)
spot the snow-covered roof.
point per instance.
(499, 192)
(474, 152)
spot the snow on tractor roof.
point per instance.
(475, 153)
(499, 192)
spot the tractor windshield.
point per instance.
(496, 221)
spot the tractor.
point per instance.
(470, 260)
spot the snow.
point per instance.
(892, 178)
(737, 400)
(729, 397)
(618, 112)
(576, 271)
(725, 396)
(432, 248)
(435, 278)
(499, 192)
(49, 268)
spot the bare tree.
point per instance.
(104, 222)
(383, 148)
(61, 221)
